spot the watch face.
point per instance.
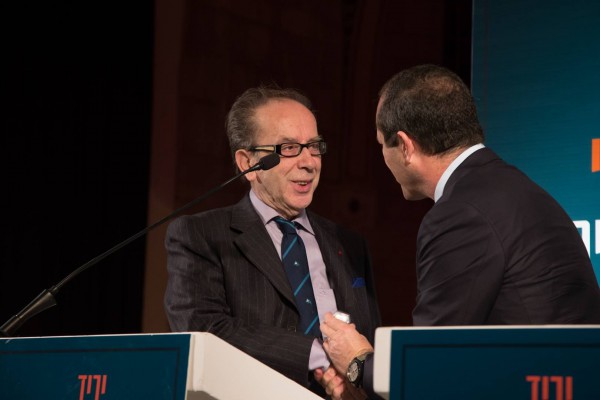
(353, 371)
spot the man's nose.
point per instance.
(306, 158)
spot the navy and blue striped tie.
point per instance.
(295, 263)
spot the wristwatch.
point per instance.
(355, 370)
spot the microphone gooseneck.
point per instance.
(47, 299)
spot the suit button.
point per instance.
(291, 328)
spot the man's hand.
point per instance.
(337, 386)
(343, 342)
(331, 381)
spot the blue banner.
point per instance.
(536, 81)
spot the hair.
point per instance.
(433, 106)
(240, 124)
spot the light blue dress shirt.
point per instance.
(323, 293)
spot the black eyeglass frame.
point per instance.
(276, 148)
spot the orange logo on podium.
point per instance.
(595, 155)
(562, 385)
(87, 384)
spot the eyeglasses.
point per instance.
(316, 148)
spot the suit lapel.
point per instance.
(254, 242)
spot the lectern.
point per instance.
(498, 362)
(174, 366)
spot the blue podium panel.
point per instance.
(95, 367)
(497, 363)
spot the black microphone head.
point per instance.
(268, 162)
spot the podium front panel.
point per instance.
(95, 367)
(493, 363)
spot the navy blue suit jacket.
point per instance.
(497, 249)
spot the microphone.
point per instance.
(47, 299)
(265, 163)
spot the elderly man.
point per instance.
(261, 274)
(495, 248)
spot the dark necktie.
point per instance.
(295, 263)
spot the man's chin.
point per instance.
(302, 201)
(413, 196)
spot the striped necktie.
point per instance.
(295, 263)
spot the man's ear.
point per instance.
(243, 160)
(407, 145)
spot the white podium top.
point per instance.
(218, 370)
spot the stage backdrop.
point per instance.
(536, 81)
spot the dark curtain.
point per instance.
(75, 148)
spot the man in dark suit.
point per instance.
(495, 248)
(225, 265)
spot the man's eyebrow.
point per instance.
(293, 140)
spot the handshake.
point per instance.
(347, 350)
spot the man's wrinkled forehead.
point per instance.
(274, 123)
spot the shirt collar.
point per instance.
(267, 214)
(439, 188)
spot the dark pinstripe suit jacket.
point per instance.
(225, 277)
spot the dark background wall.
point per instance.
(116, 116)
(76, 86)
